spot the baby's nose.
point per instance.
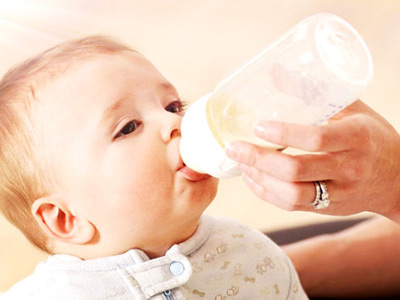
(172, 128)
(175, 132)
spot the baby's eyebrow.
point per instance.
(167, 85)
(109, 112)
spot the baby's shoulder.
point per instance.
(46, 283)
(239, 235)
(27, 288)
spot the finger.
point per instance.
(300, 168)
(285, 195)
(280, 193)
(296, 196)
(337, 136)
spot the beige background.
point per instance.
(195, 43)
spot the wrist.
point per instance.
(315, 260)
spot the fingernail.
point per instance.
(249, 180)
(266, 129)
(231, 150)
(261, 129)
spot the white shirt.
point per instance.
(223, 260)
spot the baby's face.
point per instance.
(115, 124)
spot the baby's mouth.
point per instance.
(192, 175)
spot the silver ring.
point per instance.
(321, 200)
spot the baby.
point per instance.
(91, 173)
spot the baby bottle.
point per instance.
(310, 73)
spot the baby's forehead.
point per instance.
(99, 80)
(66, 77)
(56, 72)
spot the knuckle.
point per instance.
(255, 174)
(290, 207)
(353, 172)
(246, 155)
(364, 133)
(250, 159)
(296, 198)
(259, 191)
(293, 169)
(262, 194)
(318, 140)
(284, 132)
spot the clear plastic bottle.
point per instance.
(310, 73)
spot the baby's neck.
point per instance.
(155, 246)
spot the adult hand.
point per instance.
(357, 154)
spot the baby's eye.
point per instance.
(128, 128)
(175, 107)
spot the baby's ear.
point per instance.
(59, 223)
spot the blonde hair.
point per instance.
(24, 175)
